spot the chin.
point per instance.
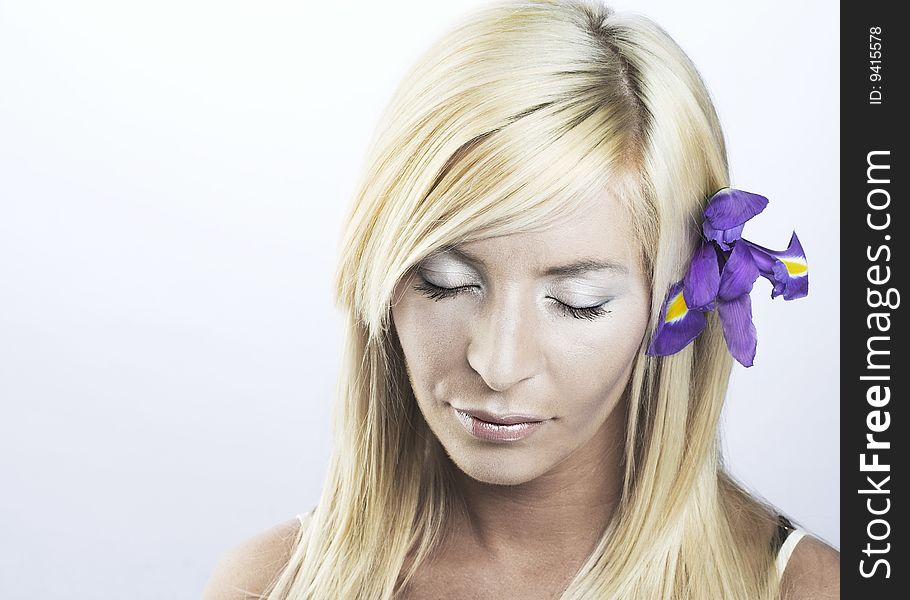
(498, 470)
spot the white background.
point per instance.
(173, 176)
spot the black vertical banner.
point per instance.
(874, 370)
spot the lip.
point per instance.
(501, 420)
(496, 428)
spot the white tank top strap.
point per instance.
(786, 549)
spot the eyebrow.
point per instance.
(577, 267)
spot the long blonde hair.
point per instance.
(504, 124)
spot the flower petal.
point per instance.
(678, 324)
(723, 237)
(739, 274)
(787, 269)
(702, 280)
(730, 208)
(739, 331)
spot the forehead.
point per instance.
(597, 228)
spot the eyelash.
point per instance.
(437, 293)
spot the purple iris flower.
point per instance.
(735, 306)
(682, 317)
(727, 213)
(721, 275)
(787, 269)
(678, 324)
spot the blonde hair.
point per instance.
(506, 123)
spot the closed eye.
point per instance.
(586, 312)
(578, 312)
(438, 292)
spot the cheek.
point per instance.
(592, 365)
(431, 339)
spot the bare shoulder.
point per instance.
(246, 570)
(812, 573)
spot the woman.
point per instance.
(513, 421)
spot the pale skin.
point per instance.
(506, 343)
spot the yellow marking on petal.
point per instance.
(677, 308)
(795, 266)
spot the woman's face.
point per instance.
(537, 329)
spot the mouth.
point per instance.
(499, 428)
(511, 419)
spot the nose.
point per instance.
(502, 348)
